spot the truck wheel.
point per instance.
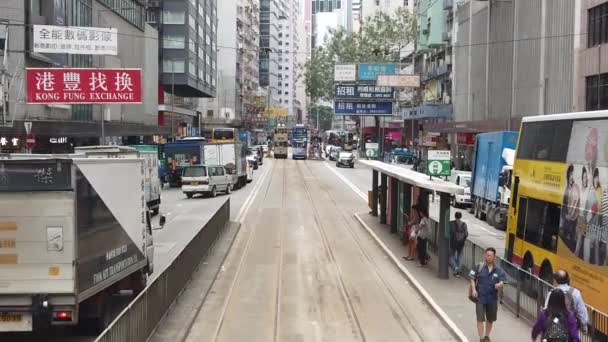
(228, 189)
(490, 216)
(476, 208)
(482, 213)
(155, 211)
(213, 192)
(189, 194)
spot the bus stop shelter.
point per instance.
(407, 180)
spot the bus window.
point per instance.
(521, 217)
(545, 140)
(542, 224)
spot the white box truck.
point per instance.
(73, 231)
(152, 184)
(233, 156)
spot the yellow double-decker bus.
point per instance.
(558, 215)
(224, 135)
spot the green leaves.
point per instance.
(380, 39)
(326, 116)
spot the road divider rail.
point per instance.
(141, 317)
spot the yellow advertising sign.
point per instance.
(276, 112)
(541, 180)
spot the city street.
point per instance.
(301, 268)
(184, 218)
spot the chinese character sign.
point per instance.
(363, 108)
(71, 86)
(369, 72)
(363, 92)
(75, 40)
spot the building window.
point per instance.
(597, 25)
(192, 46)
(193, 2)
(192, 69)
(596, 92)
(174, 17)
(173, 66)
(201, 52)
(201, 11)
(192, 22)
(173, 42)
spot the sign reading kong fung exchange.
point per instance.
(74, 86)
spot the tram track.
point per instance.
(408, 326)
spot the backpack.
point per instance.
(460, 232)
(556, 330)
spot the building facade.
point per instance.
(237, 66)
(513, 59)
(59, 128)
(188, 67)
(592, 51)
(370, 7)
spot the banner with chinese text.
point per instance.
(77, 86)
(75, 40)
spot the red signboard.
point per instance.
(73, 86)
(465, 138)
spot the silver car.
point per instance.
(206, 180)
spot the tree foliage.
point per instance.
(325, 116)
(380, 39)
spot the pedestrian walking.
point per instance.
(411, 233)
(574, 299)
(556, 323)
(486, 280)
(459, 233)
(423, 233)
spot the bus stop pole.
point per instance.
(383, 193)
(443, 235)
(374, 203)
(407, 199)
(394, 204)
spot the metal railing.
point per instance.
(524, 294)
(139, 319)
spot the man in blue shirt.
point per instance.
(486, 280)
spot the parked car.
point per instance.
(252, 159)
(206, 180)
(346, 158)
(462, 178)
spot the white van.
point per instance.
(462, 178)
(206, 179)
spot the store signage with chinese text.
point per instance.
(439, 163)
(75, 40)
(276, 112)
(465, 138)
(398, 81)
(363, 92)
(345, 72)
(369, 72)
(73, 86)
(363, 108)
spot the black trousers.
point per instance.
(421, 248)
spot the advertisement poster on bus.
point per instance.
(584, 210)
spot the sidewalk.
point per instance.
(450, 295)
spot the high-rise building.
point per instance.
(58, 128)
(371, 7)
(188, 54)
(279, 44)
(237, 66)
(328, 15)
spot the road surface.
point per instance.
(302, 269)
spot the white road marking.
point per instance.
(347, 182)
(249, 201)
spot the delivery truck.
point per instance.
(179, 154)
(492, 171)
(233, 156)
(73, 232)
(152, 183)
